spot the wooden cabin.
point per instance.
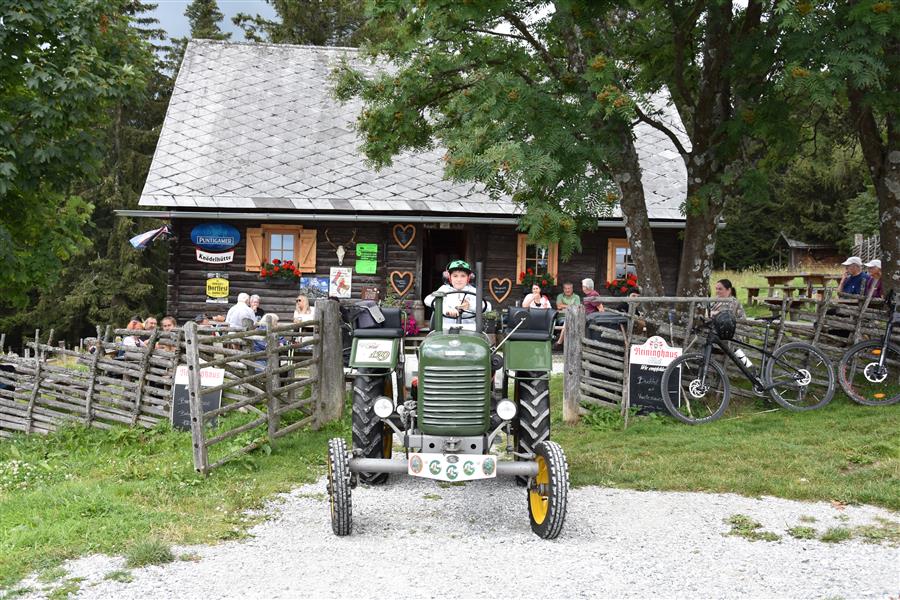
(256, 160)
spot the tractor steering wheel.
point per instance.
(460, 312)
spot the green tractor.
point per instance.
(452, 420)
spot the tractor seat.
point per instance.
(538, 326)
(392, 327)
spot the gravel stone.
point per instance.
(416, 538)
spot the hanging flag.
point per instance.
(141, 240)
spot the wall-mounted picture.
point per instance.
(339, 284)
(314, 287)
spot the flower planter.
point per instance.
(282, 283)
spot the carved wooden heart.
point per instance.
(404, 235)
(500, 288)
(401, 281)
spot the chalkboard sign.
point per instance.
(647, 363)
(181, 403)
(500, 288)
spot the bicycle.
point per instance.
(796, 375)
(877, 383)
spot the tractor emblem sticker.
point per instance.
(469, 468)
(415, 464)
(488, 466)
(452, 473)
(435, 467)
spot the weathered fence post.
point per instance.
(192, 353)
(272, 384)
(330, 402)
(38, 361)
(574, 328)
(142, 378)
(92, 382)
(626, 397)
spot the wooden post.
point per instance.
(272, 403)
(330, 401)
(626, 365)
(863, 307)
(141, 382)
(575, 330)
(38, 361)
(198, 434)
(92, 375)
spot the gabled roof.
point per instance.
(255, 127)
(798, 245)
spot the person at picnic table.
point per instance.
(303, 311)
(854, 280)
(536, 299)
(168, 324)
(240, 311)
(254, 304)
(874, 281)
(591, 299)
(724, 289)
(568, 297)
(150, 323)
(134, 324)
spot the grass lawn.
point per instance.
(82, 491)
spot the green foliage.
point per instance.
(204, 17)
(861, 215)
(315, 22)
(836, 534)
(745, 527)
(63, 64)
(802, 532)
(120, 575)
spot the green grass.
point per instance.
(836, 534)
(844, 452)
(81, 491)
(120, 575)
(745, 527)
(148, 552)
(802, 532)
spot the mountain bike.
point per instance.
(870, 371)
(695, 388)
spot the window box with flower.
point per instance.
(529, 277)
(280, 273)
(623, 286)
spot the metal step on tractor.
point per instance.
(451, 413)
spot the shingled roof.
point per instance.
(255, 127)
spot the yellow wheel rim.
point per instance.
(538, 501)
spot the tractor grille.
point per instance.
(454, 398)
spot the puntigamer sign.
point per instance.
(215, 236)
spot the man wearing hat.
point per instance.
(854, 280)
(874, 270)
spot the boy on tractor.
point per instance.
(459, 299)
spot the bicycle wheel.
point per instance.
(800, 377)
(690, 400)
(864, 381)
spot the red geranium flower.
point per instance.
(263, 273)
(544, 282)
(530, 271)
(276, 269)
(276, 262)
(623, 289)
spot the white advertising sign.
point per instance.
(215, 258)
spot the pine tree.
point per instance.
(204, 17)
(314, 22)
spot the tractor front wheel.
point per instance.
(339, 487)
(548, 491)
(370, 433)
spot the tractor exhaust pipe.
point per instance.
(479, 297)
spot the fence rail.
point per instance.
(277, 380)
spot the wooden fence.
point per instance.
(596, 371)
(276, 381)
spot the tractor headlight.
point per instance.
(506, 410)
(384, 407)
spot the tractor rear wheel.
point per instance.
(370, 433)
(548, 493)
(339, 492)
(533, 427)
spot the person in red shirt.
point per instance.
(590, 297)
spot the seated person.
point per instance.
(591, 298)
(535, 299)
(874, 279)
(567, 298)
(459, 295)
(854, 280)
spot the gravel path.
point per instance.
(413, 538)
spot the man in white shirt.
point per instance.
(240, 311)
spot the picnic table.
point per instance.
(780, 282)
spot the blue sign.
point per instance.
(215, 236)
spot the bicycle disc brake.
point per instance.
(697, 389)
(875, 373)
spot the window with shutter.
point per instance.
(307, 261)
(255, 249)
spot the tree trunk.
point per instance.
(637, 223)
(703, 209)
(883, 159)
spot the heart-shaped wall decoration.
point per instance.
(404, 235)
(500, 288)
(401, 281)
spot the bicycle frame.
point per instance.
(888, 331)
